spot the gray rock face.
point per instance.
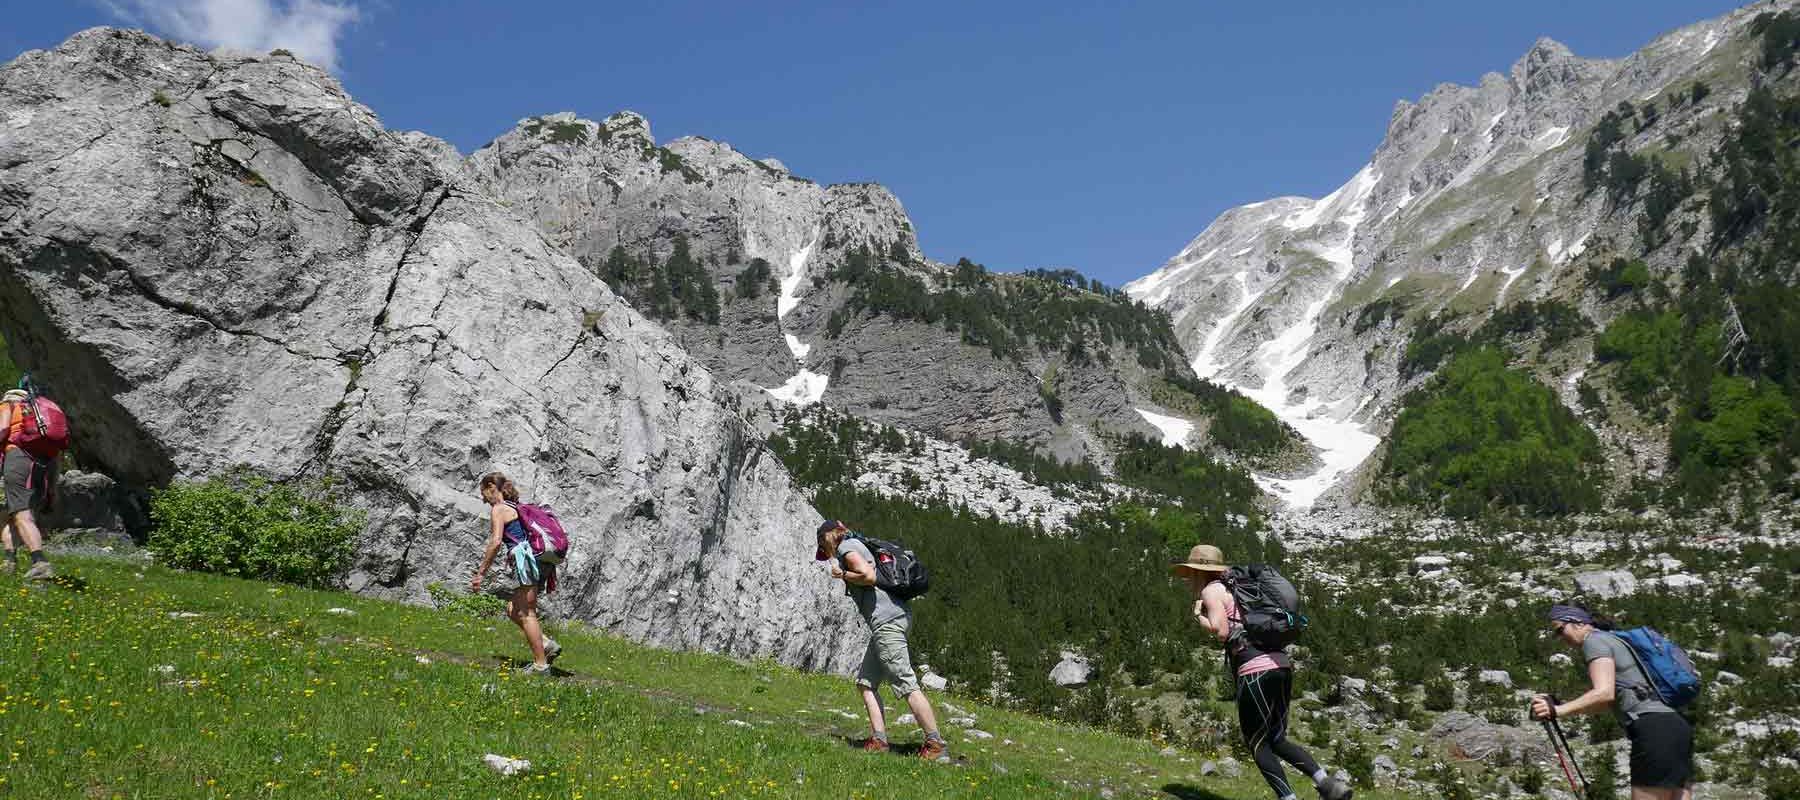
(1607, 583)
(219, 260)
(592, 186)
(1468, 736)
(1072, 670)
(1474, 200)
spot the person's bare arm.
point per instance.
(860, 572)
(495, 529)
(1602, 674)
(1212, 610)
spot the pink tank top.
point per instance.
(1261, 663)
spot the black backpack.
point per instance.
(897, 569)
(1269, 605)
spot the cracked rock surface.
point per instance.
(221, 260)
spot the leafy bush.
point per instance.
(1646, 345)
(244, 525)
(479, 604)
(1439, 694)
(1619, 277)
(1482, 434)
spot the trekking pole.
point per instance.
(1567, 775)
(1565, 755)
(1557, 727)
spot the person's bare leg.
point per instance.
(523, 610)
(877, 718)
(6, 539)
(921, 709)
(27, 530)
(1658, 793)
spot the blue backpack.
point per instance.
(1670, 672)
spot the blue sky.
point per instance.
(1018, 134)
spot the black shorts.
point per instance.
(1662, 751)
(27, 481)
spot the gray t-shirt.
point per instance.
(1632, 693)
(874, 603)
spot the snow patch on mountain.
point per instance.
(1175, 430)
(804, 389)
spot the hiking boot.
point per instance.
(933, 749)
(1334, 789)
(551, 650)
(535, 669)
(874, 745)
(41, 571)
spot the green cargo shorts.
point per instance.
(889, 659)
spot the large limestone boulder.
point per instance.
(219, 259)
(1465, 735)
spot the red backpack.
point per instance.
(39, 426)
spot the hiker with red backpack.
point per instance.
(1254, 613)
(882, 577)
(1642, 678)
(534, 543)
(34, 433)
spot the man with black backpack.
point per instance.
(1255, 613)
(881, 577)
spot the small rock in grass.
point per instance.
(973, 733)
(906, 719)
(1209, 768)
(422, 659)
(507, 766)
(737, 723)
(962, 722)
(1168, 752)
(183, 615)
(341, 611)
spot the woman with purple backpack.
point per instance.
(529, 578)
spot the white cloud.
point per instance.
(309, 28)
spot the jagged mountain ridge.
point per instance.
(217, 260)
(1475, 199)
(816, 334)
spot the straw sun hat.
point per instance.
(1203, 558)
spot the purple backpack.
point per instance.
(549, 542)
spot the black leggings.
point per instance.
(1262, 702)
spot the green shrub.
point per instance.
(161, 99)
(1621, 276)
(478, 604)
(1353, 756)
(1481, 434)
(1530, 777)
(1646, 345)
(1439, 694)
(244, 525)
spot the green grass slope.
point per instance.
(133, 681)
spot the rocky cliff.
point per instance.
(1479, 197)
(218, 260)
(820, 293)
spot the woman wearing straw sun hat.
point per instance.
(1265, 680)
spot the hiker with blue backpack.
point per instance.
(534, 544)
(881, 577)
(1642, 678)
(1255, 613)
